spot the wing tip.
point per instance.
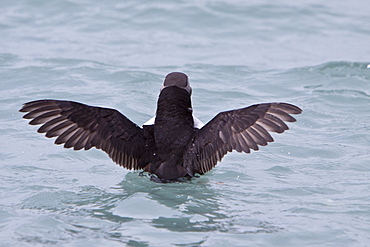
(289, 108)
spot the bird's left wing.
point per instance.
(81, 126)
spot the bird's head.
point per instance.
(177, 79)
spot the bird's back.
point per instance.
(173, 128)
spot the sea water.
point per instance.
(311, 187)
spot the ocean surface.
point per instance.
(311, 187)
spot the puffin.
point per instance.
(172, 146)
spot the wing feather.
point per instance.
(80, 126)
(240, 130)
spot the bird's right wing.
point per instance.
(240, 130)
(81, 126)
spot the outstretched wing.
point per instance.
(82, 126)
(240, 130)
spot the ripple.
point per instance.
(308, 188)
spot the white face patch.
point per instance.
(197, 123)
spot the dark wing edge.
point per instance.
(81, 126)
(241, 130)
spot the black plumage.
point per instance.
(174, 146)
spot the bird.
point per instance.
(173, 146)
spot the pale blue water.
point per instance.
(311, 187)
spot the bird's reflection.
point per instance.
(185, 206)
